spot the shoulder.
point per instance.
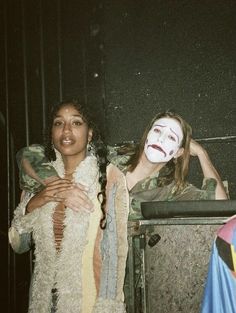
(29, 151)
(119, 155)
(35, 148)
(114, 172)
(119, 161)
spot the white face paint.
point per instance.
(163, 140)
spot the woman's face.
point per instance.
(70, 134)
(163, 140)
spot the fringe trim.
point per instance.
(60, 270)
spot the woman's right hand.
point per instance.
(49, 194)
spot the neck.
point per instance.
(147, 167)
(70, 164)
(143, 170)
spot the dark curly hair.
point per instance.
(96, 142)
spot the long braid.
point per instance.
(101, 153)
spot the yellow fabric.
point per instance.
(88, 279)
(233, 256)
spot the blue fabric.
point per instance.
(109, 245)
(220, 290)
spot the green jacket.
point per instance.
(148, 189)
(34, 169)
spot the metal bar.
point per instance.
(142, 239)
(59, 47)
(6, 122)
(131, 302)
(184, 221)
(84, 53)
(26, 102)
(217, 139)
(204, 140)
(42, 63)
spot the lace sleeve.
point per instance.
(19, 233)
(23, 222)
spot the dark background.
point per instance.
(128, 59)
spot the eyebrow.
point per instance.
(75, 115)
(170, 129)
(175, 134)
(159, 125)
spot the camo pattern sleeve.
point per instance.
(34, 168)
(150, 189)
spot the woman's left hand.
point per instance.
(77, 198)
(195, 148)
(208, 168)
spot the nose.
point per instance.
(67, 128)
(162, 137)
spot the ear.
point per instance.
(90, 134)
(179, 153)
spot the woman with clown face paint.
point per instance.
(163, 141)
(157, 168)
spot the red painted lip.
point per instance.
(157, 148)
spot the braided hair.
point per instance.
(96, 143)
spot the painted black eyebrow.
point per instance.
(170, 129)
(175, 134)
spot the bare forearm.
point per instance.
(209, 171)
(32, 205)
(48, 194)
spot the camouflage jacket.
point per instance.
(34, 169)
(148, 189)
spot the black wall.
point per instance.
(177, 55)
(128, 59)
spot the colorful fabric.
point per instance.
(114, 245)
(220, 290)
(69, 270)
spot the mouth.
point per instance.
(67, 141)
(156, 147)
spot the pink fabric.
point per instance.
(226, 231)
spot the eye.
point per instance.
(157, 130)
(171, 138)
(57, 123)
(77, 123)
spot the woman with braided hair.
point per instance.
(76, 209)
